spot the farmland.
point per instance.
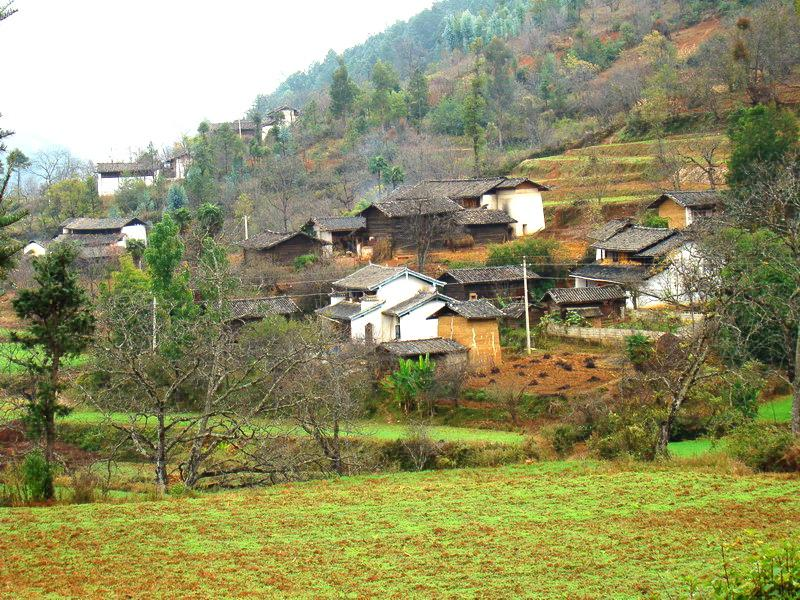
(511, 531)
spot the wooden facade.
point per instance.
(489, 234)
(284, 253)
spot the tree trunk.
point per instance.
(161, 456)
(796, 387)
(663, 436)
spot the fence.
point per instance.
(606, 336)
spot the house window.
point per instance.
(473, 296)
(397, 331)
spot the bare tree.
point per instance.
(282, 178)
(426, 225)
(57, 164)
(667, 164)
(706, 158)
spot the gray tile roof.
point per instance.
(398, 310)
(488, 274)
(432, 346)
(459, 189)
(585, 295)
(704, 199)
(371, 277)
(126, 167)
(610, 229)
(635, 239)
(622, 274)
(476, 309)
(416, 206)
(270, 239)
(258, 308)
(515, 310)
(663, 247)
(343, 311)
(480, 216)
(339, 224)
(88, 239)
(91, 224)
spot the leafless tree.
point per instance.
(282, 178)
(57, 164)
(706, 158)
(426, 227)
(667, 164)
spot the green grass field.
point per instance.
(777, 411)
(9, 350)
(552, 530)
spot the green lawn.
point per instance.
(777, 411)
(551, 530)
(10, 350)
(692, 448)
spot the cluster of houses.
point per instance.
(96, 240)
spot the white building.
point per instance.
(283, 115)
(381, 304)
(111, 176)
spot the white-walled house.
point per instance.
(283, 115)
(112, 175)
(35, 248)
(123, 229)
(651, 264)
(381, 304)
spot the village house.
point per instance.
(111, 176)
(681, 209)
(281, 116)
(177, 165)
(248, 310)
(380, 304)
(394, 221)
(485, 226)
(278, 248)
(248, 129)
(342, 233)
(487, 282)
(446, 353)
(519, 198)
(646, 262)
(595, 304)
(475, 325)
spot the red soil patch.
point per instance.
(14, 444)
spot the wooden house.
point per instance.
(681, 209)
(446, 353)
(475, 325)
(278, 248)
(249, 310)
(393, 220)
(342, 233)
(486, 226)
(595, 303)
(486, 282)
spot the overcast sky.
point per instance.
(104, 77)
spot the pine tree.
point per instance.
(418, 103)
(176, 197)
(60, 327)
(342, 91)
(8, 216)
(474, 115)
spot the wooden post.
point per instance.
(527, 311)
(246, 231)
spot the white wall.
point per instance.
(34, 249)
(402, 289)
(416, 325)
(108, 186)
(523, 205)
(134, 232)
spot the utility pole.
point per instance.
(246, 231)
(527, 311)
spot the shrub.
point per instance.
(303, 261)
(564, 437)
(629, 433)
(775, 574)
(764, 447)
(37, 477)
(84, 487)
(537, 250)
(652, 219)
(639, 349)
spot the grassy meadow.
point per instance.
(555, 530)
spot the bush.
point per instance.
(564, 437)
(303, 261)
(652, 219)
(765, 447)
(775, 574)
(37, 477)
(84, 487)
(629, 433)
(639, 349)
(538, 251)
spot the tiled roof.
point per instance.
(515, 310)
(458, 189)
(610, 229)
(244, 124)
(336, 224)
(258, 308)
(95, 252)
(489, 274)
(342, 311)
(398, 310)
(622, 274)
(417, 206)
(480, 216)
(91, 224)
(476, 309)
(430, 346)
(586, 295)
(89, 239)
(270, 239)
(125, 167)
(372, 277)
(663, 248)
(705, 199)
(635, 239)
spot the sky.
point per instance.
(106, 77)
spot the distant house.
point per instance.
(593, 303)
(342, 233)
(475, 325)
(393, 220)
(380, 304)
(644, 261)
(95, 239)
(247, 310)
(283, 115)
(112, 175)
(520, 198)
(244, 128)
(35, 248)
(486, 282)
(248, 129)
(177, 165)
(446, 353)
(486, 226)
(279, 248)
(681, 209)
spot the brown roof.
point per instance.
(432, 346)
(585, 295)
(488, 274)
(417, 206)
(270, 239)
(705, 199)
(258, 308)
(481, 216)
(610, 229)
(339, 224)
(126, 167)
(635, 239)
(89, 239)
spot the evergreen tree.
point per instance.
(418, 102)
(8, 216)
(60, 327)
(210, 219)
(384, 81)
(342, 91)
(474, 115)
(176, 197)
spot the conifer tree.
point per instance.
(343, 92)
(418, 102)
